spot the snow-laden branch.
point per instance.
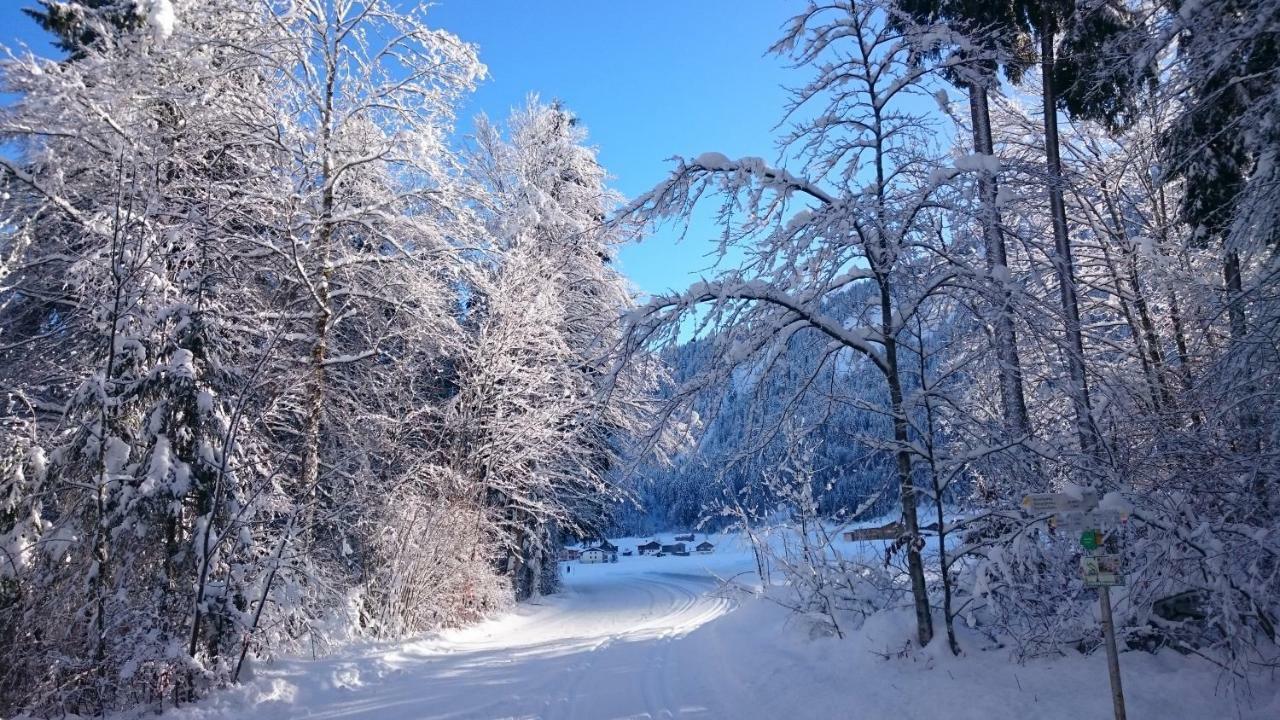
(860, 340)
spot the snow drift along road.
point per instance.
(644, 639)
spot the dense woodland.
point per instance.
(284, 365)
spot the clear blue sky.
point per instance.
(649, 79)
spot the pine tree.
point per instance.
(1220, 135)
(82, 25)
(976, 71)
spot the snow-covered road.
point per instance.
(654, 638)
(610, 646)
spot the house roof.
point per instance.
(706, 544)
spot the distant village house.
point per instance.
(705, 548)
(653, 547)
(605, 553)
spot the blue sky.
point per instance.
(649, 80)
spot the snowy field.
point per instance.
(652, 638)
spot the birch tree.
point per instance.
(854, 215)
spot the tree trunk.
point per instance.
(1063, 264)
(1235, 294)
(314, 412)
(881, 263)
(1150, 339)
(322, 249)
(910, 521)
(101, 530)
(1180, 339)
(1149, 331)
(1139, 344)
(1250, 420)
(1175, 312)
(939, 489)
(1012, 399)
(515, 566)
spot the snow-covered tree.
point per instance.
(124, 213)
(541, 418)
(230, 239)
(358, 244)
(858, 214)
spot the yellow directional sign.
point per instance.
(1060, 502)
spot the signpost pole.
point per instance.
(1080, 511)
(1113, 655)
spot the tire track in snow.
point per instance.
(610, 646)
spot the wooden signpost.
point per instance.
(1079, 512)
(1061, 502)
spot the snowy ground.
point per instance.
(649, 638)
